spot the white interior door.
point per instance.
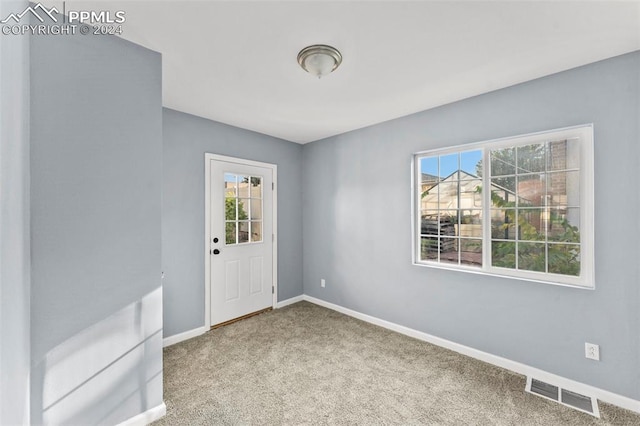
(241, 239)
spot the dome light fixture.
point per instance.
(319, 59)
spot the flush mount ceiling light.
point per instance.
(319, 59)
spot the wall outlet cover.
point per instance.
(592, 351)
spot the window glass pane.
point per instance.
(574, 153)
(243, 232)
(230, 208)
(256, 209)
(564, 259)
(230, 233)
(563, 189)
(243, 186)
(531, 257)
(503, 254)
(429, 197)
(503, 191)
(470, 223)
(531, 158)
(255, 189)
(470, 194)
(531, 190)
(448, 192)
(531, 224)
(449, 166)
(448, 250)
(563, 155)
(470, 164)
(256, 232)
(503, 161)
(534, 193)
(557, 155)
(230, 185)
(429, 248)
(429, 223)
(429, 170)
(564, 225)
(243, 207)
(471, 252)
(448, 222)
(503, 224)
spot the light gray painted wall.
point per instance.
(186, 139)
(357, 229)
(14, 224)
(96, 175)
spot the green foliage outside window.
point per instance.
(562, 258)
(230, 213)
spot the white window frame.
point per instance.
(586, 277)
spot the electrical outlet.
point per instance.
(322, 283)
(592, 351)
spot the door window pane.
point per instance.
(243, 232)
(230, 233)
(256, 232)
(230, 183)
(243, 208)
(243, 186)
(255, 190)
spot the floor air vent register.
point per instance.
(586, 404)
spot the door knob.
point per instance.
(216, 251)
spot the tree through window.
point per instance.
(534, 221)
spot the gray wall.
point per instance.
(14, 224)
(96, 174)
(357, 229)
(186, 139)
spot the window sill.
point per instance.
(479, 271)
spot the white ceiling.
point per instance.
(235, 62)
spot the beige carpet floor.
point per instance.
(307, 365)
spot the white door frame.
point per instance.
(207, 226)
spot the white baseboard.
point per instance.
(517, 367)
(290, 301)
(177, 338)
(147, 417)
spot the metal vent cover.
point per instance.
(586, 404)
(544, 389)
(581, 402)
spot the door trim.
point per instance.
(207, 226)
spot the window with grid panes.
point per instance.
(534, 222)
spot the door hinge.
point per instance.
(273, 185)
(273, 289)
